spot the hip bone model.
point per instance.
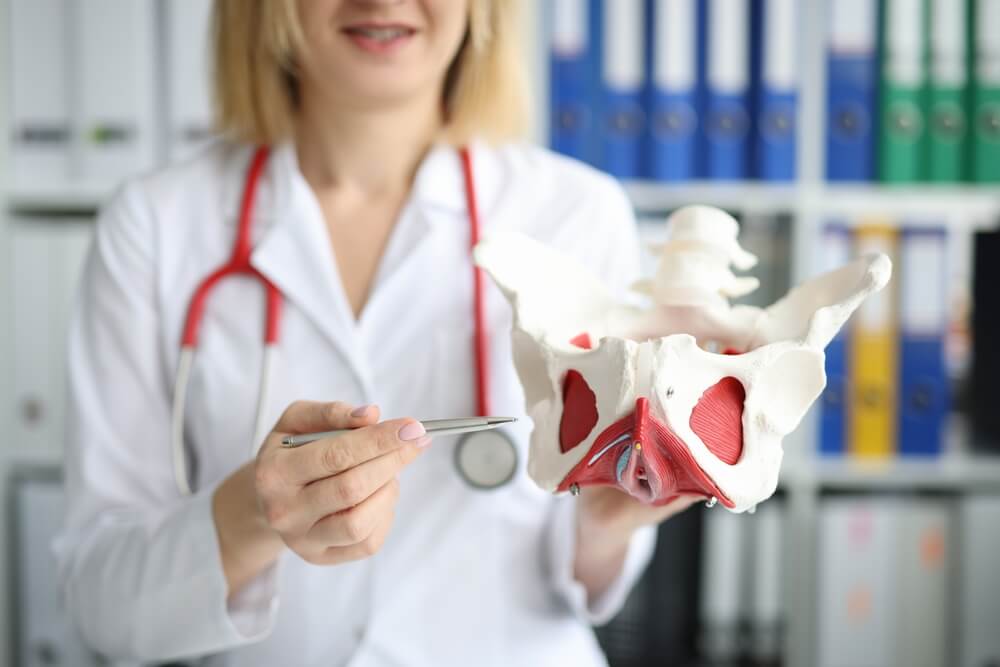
(684, 394)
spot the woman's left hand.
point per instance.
(611, 512)
(606, 520)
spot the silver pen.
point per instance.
(432, 426)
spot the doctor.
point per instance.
(368, 548)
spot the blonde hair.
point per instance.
(255, 83)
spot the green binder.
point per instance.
(947, 69)
(985, 113)
(901, 105)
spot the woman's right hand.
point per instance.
(333, 500)
(330, 501)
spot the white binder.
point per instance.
(45, 634)
(979, 588)
(187, 41)
(116, 74)
(40, 131)
(47, 258)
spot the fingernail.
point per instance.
(360, 410)
(423, 442)
(411, 431)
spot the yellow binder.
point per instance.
(872, 368)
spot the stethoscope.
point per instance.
(484, 459)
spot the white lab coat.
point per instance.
(466, 577)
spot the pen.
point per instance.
(432, 426)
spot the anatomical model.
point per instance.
(684, 394)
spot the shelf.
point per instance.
(78, 198)
(658, 198)
(946, 473)
(966, 205)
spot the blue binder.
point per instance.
(622, 70)
(727, 80)
(852, 80)
(572, 121)
(834, 400)
(923, 377)
(775, 84)
(672, 103)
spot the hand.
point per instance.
(333, 500)
(606, 510)
(606, 519)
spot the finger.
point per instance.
(365, 549)
(334, 455)
(355, 524)
(352, 487)
(314, 416)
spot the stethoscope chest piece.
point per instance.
(486, 459)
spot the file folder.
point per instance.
(856, 587)
(874, 358)
(116, 78)
(623, 77)
(836, 395)
(903, 128)
(727, 79)
(723, 580)
(986, 93)
(572, 117)
(189, 65)
(923, 318)
(873, 361)
(673, 121)
(947, 73)
(40, 127)
(777, 57)
(979, 586)
(852, 76)
(922, 564)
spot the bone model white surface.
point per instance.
(685, 394)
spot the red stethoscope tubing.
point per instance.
(239, 264)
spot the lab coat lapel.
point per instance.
(295, 254)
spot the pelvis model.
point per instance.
(679, 392)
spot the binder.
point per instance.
(947, 75)
(187, 40)
(44, 633)
(873, 360)
(41, 132)
(922, 561)
(833, 402)
(673, 121)
(986, 93)
(115, 68)
(856, 583)
(903, 128)
(985, 417)
(979, 586)
(727, 79)
(851, 86)
(623, 78)
(722, 585)
(923, 319)
(569, 58)
(775, 60)
(766, 601)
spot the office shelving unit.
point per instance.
(811, 202)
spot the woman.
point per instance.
(364, 548)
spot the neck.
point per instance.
(375, 152)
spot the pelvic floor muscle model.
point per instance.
(685, 394)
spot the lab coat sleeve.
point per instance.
(613, 249)
(139, 565)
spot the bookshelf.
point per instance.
(811, 202)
